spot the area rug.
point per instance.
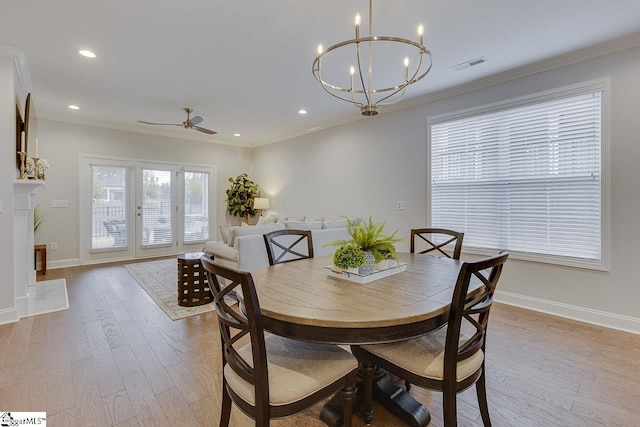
(160, 280)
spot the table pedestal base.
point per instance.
(393, 398)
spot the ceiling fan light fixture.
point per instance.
(190, 123)
(360, 91)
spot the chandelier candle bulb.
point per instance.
(420, 33)
(357, 21)
(352, 71)
(406, 69)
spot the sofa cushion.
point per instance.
(236, 232)
(298, 225)
(221, 250)
(335, 224)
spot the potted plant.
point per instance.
(348, 257)
(240, 196)
(370, 238)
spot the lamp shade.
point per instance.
(261, 203)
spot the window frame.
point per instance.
(601, 85)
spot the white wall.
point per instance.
(62, 143)
(363, 168)
(7, 176)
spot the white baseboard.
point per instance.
(62, 263)
(587, 315)
(8, 315)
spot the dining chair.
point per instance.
(271, 377)
(450, 359)
(435, 239)
(288, 245)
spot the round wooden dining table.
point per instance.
(302, 300)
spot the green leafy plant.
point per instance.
(348, 256)
(369, 236)
(38, 218)
(240, 196)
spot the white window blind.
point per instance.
(196, 206)
(527, 178)
(109, 194)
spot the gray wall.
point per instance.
(363, 168)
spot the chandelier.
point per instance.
(359, 89)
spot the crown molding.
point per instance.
(591, 52)
(21, 68)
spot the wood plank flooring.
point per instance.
(115, 359)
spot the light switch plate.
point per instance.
(59, 203)
(400, 205)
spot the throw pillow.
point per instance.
(224, 233)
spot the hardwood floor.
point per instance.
(115, 359)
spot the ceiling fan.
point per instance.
(190, 123)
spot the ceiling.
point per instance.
(245, 66)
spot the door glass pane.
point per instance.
(156, 207)
(196, 206)
(108, 207)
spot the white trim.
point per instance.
(21, 68)
(574, 312)
(8, 315)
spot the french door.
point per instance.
(136, 209)
(156, 209)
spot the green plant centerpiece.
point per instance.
(240, 196)
(370, 238)
(348, 256)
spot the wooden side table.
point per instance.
(193, 286)
(42, 250)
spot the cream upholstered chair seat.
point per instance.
(297, 369)
(268, 376)
(444, 360)
(424, 356)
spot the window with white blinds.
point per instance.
(526, 178)
(109, 194)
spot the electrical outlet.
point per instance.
(400, 205)
(54, 246)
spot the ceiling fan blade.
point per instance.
(210, 132)
(162, 124)
(195, 120)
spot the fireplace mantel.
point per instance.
(24, 192)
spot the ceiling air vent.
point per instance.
(468, 64)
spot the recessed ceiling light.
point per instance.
(302, 111)
(236, 134)
(87, 53)
(74, 107)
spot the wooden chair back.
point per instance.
(235, 325)
(436, 240)
(288, 245)
(473, 310)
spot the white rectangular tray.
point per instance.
(360, 278)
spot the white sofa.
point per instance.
(244, 248)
